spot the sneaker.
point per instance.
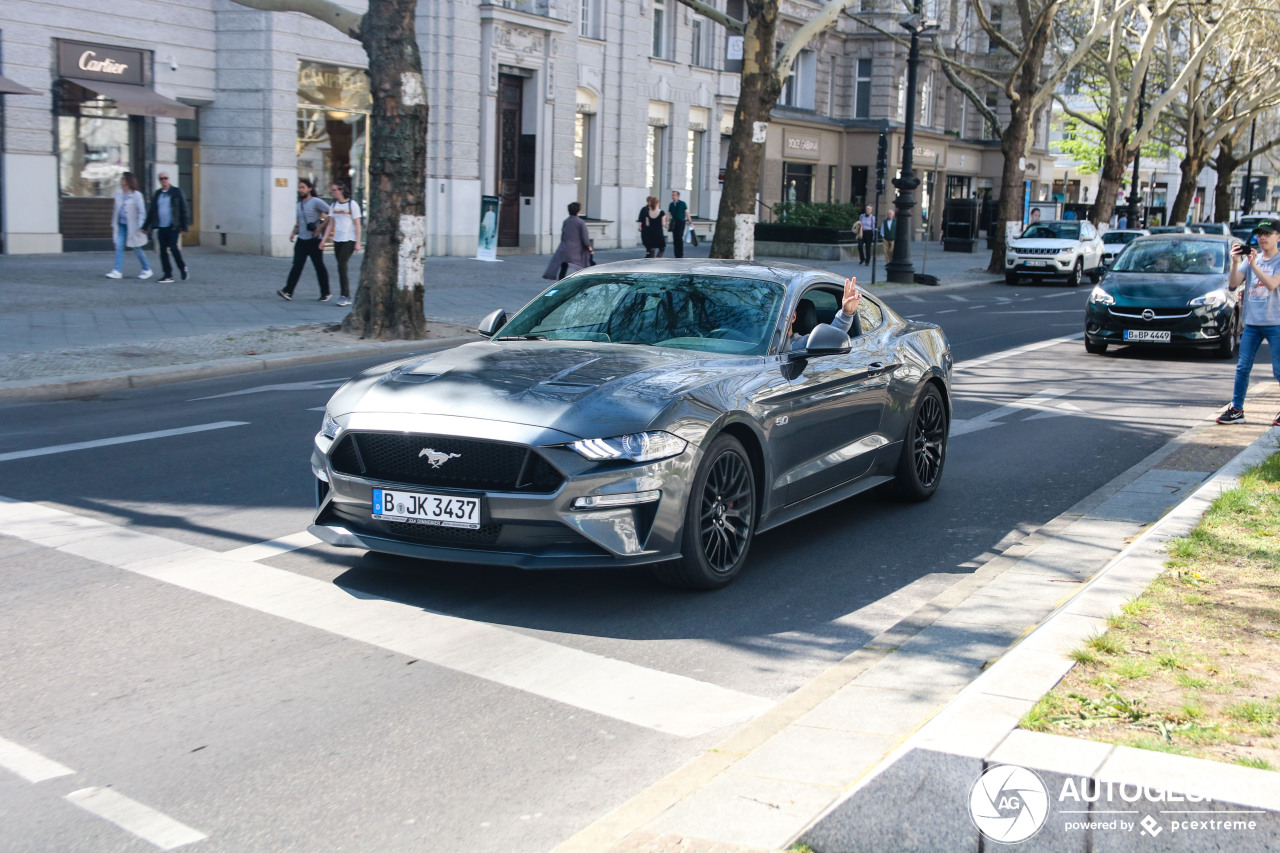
(324, 298)
(166, 280)
(144, 275)
(287, 297)
(185, 274)
(343, 301)
(115, 274)
(1231, 416)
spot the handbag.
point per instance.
(693, 237)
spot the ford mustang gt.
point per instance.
(641, 412)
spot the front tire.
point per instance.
(1095, 347)
(1229, 346)
(924, 449)
(1077, 275)
(719, 520)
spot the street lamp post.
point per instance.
(900, 269)
(1247, 207)
(1134, 198)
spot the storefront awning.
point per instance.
(137, 100)
(8, 87)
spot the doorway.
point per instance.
(510, 123)
(189, 181)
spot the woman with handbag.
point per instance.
(127, 217)
(651, 222)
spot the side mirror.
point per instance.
(826, 339)
(492, 323)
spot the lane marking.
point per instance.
(122, 439)
(135, 818)
(1064, 408)
(964, 426)
(31, 766)
(947, 311)
(287, 386)
(1010, 353)
(272, 547)
(913, 298)
(662, 701)
(955, 297)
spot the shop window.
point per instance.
(582, 158)
(797, 182)
(653, 160)
(333, 127)
(96, 143)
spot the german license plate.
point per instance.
(1146, 335)
(422, 508)
(1037, 263)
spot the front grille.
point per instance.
(1131, 313)
(467, 463)
(1037, 251)
(486, 534)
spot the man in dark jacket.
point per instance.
(168, 215)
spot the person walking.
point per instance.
(168, 216)
(1259, 272)
(127, 217)
(678, 214)
(889, 233)
(574, 252)
(344, 230)
(307, 243)
(866, 245)
(650, 224)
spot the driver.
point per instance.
(846, 319)
(1206, 262)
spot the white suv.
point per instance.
(1058, 248)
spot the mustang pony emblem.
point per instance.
(436, 458)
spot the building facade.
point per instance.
(535, 102)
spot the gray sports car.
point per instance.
(644, 412)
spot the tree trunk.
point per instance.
(1191, 166)
(1110, 180)
(1225, 166)
(735, 222)
(388, 304)
(1012, 190)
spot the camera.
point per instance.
(1242, 249)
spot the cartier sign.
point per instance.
(100, 62)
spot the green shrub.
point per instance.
(824, 215)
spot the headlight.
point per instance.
(638, 447)
(330, 428)
(1213, 299)
(1101, 297)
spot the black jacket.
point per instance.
(179, 214)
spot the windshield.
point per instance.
(1053, 231)
(708, 313)
(1194, 257)
(1120, 236)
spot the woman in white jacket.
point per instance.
(127, 218)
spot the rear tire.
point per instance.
(924, 449)
(1095, 348)
(719, 520)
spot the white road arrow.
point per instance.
(1063, 408)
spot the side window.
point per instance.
(869, 314)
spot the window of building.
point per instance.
(989, 130)
(797, 182)
(798, 90)
(926, 101)
(832, 172)
(694, 168)
(661, 34)
(589, 19)
(334, 105)
(582, 157)
(902, 96)
(96, 143)
(862, 90)
(996, 18)
(653, 160)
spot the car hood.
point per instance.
(1043, 243)
(583, 389)
(1171, 288)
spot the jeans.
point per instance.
(1250, 339)
(122, 233)
(169, 239)
(343, 251)
(303, 249)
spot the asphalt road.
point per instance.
(318, 698)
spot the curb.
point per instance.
(978, 728)
(70, 387)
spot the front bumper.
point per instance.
(1047, 266)
(520, 529)
(1200, 327)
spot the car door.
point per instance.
(827, 428)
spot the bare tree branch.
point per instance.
(343, 20)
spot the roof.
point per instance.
(780, 273)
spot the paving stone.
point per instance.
(816, 756)
(875, 710)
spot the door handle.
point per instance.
(876, 365)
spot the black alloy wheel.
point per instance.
(720, 520)
(1077, 274)
(924, 450)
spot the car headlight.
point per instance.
(1212, 299)
(637, 447)
(330, 428)
(1101, 297)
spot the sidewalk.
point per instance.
(66, 330)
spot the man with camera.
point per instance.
(1259, 272)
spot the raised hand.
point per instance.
(851, 297)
